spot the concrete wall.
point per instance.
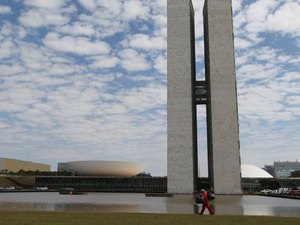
(182, 146)
(222, 112)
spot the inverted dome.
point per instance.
(107, 168)
(250, 171)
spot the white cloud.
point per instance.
(134, 9)
(198, 9)
(198, 5)
(250, 21)
(144, 98)
(200, 50)
(53, 4)
(105, 62)
(236, 5)
(160, 64)
(285, 19)
(239, 20)
(39, 18)
(256, 104)
(5, 9)
(78, 29)
(133, 61)
(6, 48)
(293, 100)
(77, 45)
(258, 11)
(240, 43)
(88, 4)
(7, 70)
(33, 57)
(161, 24)
(112, 6)
(58, 97)
(142, 41)
(104, 23)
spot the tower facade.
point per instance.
(222, 113)
(220, 97)
(182, 134)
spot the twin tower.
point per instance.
(218, 92)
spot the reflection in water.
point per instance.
(117, 202)
(228, 205)
(180, 204)
(270, 206)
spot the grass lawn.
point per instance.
(93, 218)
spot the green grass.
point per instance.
(93, 218)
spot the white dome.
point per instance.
(107, 168)
(250, 171)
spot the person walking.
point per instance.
(206, 203)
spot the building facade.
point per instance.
(283, 169)
(222, 109)
(15, 165)
(217, 91)
(181, 108)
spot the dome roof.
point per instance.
(107, 168)
(250, 171)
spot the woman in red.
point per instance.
(206, 203)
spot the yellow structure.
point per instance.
(14, 165)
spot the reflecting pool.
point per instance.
(121, 202)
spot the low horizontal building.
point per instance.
(105, 184)
(15, 165)
(147, 184)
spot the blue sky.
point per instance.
(86, 80)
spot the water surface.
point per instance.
(138, 203)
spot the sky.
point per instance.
(87, 80)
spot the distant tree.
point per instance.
(295, 173)
(143, 174)
(4, 171)
(21, 172)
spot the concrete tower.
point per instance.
(218, 92)
(182, 137)
(222, 113)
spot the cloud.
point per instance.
(77, 45)
(107, 6)
(142, 41)
(7, 70)
(133, 61)
(5, 9)
(39, 18)
(160, 64)
(88, 4)
(267, 16)
(285, 19)
(6, 48)
(105, 62)
(90, 76)
(135, 9)
(53, 4)
(236, 5)
(161, 24)
(144, 98)
(240, 43)
(77, 29)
